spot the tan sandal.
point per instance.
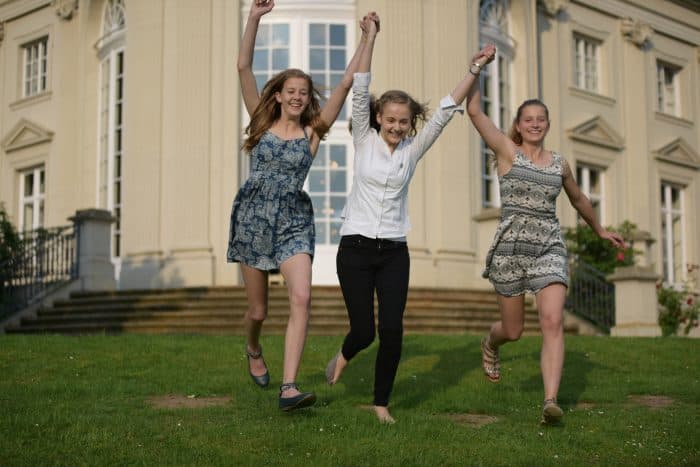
(551, 412)
(490, 361)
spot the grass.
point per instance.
(85, 401)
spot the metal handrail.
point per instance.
(590, 295)
(45, 259)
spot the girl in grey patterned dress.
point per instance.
(528, 254)
(272, 224)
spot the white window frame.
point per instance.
(111, 52)
(668, 98)
(36, 199)
(586, 60)
(669, 244)
(35, 64)
(494, 28)
(584, 183)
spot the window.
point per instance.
(667, 88)
(35, 66)
(672, 228)
(323, 49)
(586, 63)
(31, 199)
(111, 51)
(590, 180)
(496, 88)
(328, 188)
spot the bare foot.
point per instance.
(383, 415)
(335, 368)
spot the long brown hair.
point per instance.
(513, 132)
(269, 111)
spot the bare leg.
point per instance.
(256, 290)
(510, 327)
(550, 304)
(297, 273)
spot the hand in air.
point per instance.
(261, 7)
(485, 55)
(370, 23)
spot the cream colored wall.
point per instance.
(181, 163)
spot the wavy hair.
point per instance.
(269, 110)
(513, 133)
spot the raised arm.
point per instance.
(362, 55)
(584, 207)
(482, 58)
(249, 87)
(494, 138)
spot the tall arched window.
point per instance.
(111, 53)
(496, 86)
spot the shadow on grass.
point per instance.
(577, 367)
(451, 366)
(411, 387)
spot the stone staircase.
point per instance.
(220, 310)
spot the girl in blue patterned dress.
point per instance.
(528, 253)
(272, 221)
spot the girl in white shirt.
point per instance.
(372, 254)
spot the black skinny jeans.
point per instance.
(363, 265)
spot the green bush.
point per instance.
(599, 253)
(10, 243)
(680, 307)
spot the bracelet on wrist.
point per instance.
(475, 69)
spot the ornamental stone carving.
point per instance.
(65, 8)
(552, 7)
(636, 32)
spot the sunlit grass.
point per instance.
(88, 401)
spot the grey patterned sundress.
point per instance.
(272, 218)
(528, 252)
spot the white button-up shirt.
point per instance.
(377, 206)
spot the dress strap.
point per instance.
(305, 135)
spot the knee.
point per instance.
(391, 333)
(552, 323)
(257, 312)
(300, 298)
(513, 333)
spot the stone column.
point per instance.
(636, 312)
(95, 268)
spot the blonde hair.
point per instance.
(269, 111)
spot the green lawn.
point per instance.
(88, 401)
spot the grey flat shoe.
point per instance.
(301, 400)
(262, 380)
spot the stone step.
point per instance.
(220, 310)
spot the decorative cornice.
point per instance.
(552, 7)
(637, 32)
(65, 8)
(597, 131)
(678, 152)
(25, 133)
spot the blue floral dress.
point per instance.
(272, 217)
